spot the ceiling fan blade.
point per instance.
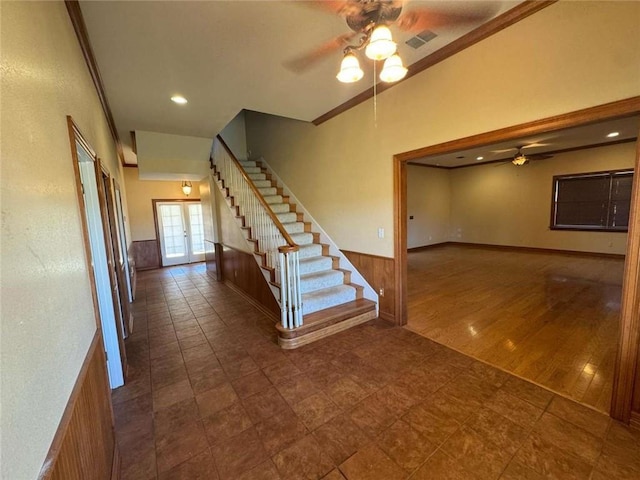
(504, 150)
(343, 8)
(532, 145)
(307, 60)
(539, 156)
(419, 19)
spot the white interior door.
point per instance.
(100, 266)
(181, 232)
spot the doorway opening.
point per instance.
(624, 378)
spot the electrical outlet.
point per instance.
(382, 291)
(381, 233)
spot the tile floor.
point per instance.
(211, 396)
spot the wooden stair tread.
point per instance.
(327, 317)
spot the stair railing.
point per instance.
(280, 252)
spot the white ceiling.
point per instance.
(225, 56)
(570, 138)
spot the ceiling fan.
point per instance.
(520, 158)
(369, 21)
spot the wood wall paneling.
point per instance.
(241, 272)
(378, 271)
(211, 261)
(145, 254)
(84, 445)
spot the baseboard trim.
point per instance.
(387, 317)
(516, 248)
(428, 247)
(251, 300)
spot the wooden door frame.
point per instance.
(75, 135)
(628, 345)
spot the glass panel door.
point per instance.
(196, 232)
(181, 232)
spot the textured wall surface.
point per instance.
(47, 310)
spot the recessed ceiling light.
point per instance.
(613, 134)
(179, 99)
(479, 158)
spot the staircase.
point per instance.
(329, 301)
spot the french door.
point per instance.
(180, 231)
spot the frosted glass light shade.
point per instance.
(381, 45)
(519, 160)
(186, 187)
(350, 70)
(393, 70)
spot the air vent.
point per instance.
(420, 39)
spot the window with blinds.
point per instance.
(592, 201)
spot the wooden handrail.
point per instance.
(293, 246)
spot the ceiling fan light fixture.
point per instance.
(519, 160)
(393, 69)
(381, 44)
(179, 99)
(350, 70)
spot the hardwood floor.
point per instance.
(549, 318)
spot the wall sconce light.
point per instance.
(186, 187)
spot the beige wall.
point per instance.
(48, 319)
(162, 156)
(140, 196)
(500, 204)
(429, 203)
(235, 137)
(547, 64)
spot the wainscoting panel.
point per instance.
(378, 271)
(211, 254)
(84, 446)
(146, 254)
(240, 270)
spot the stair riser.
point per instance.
(302, 238)
(262, 184)
(322, 263)
(310, 306)
(332, 279)
(288, 217)
(294, 227)
(312, 250)
(268, 191)
(280, 207)
(271, 199)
